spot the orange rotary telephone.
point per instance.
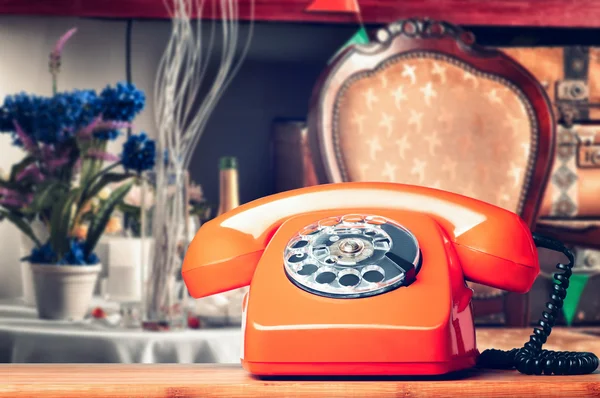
(369, 279)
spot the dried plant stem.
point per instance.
(180, 77)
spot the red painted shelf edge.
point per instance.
(533, 13)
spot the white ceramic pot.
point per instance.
(64, 292)
(27, 245)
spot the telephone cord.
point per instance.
(531, 358)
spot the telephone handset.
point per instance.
(369, 279)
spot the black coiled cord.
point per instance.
(531, 359)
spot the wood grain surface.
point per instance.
(48, 380)
(538, 13)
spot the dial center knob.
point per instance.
(351, 246)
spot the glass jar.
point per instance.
(165, 218)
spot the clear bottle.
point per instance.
(229, 196)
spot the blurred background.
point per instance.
(256, 142)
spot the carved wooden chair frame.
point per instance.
(439, 40)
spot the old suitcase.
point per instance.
(570, 209)
(571, 206)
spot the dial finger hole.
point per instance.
(309, 230)
(334, 238)
(300, 244)
(326, 276)
(373, 274)
(352, 218)
(329, 222)
(375, 220)
(297, 258)
(349, 278)
(307, 269)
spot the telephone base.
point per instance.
(361, 368)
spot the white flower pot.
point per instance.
(64, 292)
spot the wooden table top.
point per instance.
(173, 380)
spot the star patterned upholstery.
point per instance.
(427, 117)
(426, 121)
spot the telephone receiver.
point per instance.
(346, 278)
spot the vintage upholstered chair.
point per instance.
(422, 104)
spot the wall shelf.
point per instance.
(530, 13)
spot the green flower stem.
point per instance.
(54, 83)
(98, 224)
(89, 183)
(90, 167)
(104, 171)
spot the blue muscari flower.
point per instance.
(91, 107)
(50, 120)
(75, 255)
(122, 102)
(139, 153)
(42, 255)
(54, 120)
(20, 107)
(57, 118)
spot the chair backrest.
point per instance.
(423, 104)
